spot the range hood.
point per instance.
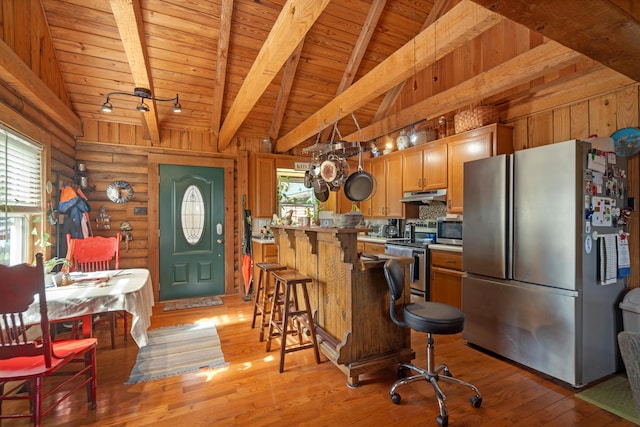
(425, 197)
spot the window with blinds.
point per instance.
(20, 195)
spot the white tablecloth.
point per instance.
(129, 290)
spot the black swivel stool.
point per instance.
(432, 318)
(286, 311)
(264, 293)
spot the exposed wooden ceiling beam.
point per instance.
(292, 25)
(224, 34)
(534, 63)
(19, 77)
(464, 22)
(128, 16)
(288, 77)
(603, 30)
(595, 81)
(439, 8)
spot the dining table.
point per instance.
(98, 292)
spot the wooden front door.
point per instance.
(191, 219)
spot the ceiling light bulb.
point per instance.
(142, 107)
(107, 107)
(177, 108)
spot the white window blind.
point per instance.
(20, 174)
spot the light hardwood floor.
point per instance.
(251, 392)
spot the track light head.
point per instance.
(142, 93)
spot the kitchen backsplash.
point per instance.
(433, 211)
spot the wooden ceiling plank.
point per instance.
(293, 23)
(224, 34)
(464, 22)
(599, 29)
(288, 78)
(439, 9)
(358, 52)
(18, 76)
(529, 65)
(128, 16)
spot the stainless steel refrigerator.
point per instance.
(532, 290)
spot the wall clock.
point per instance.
(119, 192)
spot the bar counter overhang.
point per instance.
(349, 298)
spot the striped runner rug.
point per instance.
(177, 350)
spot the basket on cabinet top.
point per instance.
(475, 117)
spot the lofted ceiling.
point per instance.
(289, 69)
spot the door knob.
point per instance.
(219, 241)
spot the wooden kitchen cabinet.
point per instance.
(385, 203)
(446, 277)
(262, 179)
(425, 167)
(374, 248)
(476, 144)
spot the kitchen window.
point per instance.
(20, 198)
(293, 196)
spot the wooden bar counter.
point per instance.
(349, 298)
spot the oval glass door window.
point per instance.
(192, 213)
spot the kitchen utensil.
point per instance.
(328, 170)
(359, 185)
(307, 179)
(322, 194)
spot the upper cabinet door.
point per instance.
(263, 196)
(461, 150)
(434, 174)
(412, 165)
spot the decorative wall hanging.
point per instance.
(119, 192)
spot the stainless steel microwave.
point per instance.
(449, 231)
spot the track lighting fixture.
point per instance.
(143, 94)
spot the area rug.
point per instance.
(192, 303)
(613, 395)
(177, 350)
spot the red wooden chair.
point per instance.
(31, 361)
(96, 254)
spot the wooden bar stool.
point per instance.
(264, 292)
(285, 301)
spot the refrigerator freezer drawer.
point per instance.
(537, 327)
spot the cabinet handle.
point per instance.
(449, 261)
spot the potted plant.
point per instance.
(52, 274)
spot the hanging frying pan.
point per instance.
(322, 194)
(307, 179)
(360, 185)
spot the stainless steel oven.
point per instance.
(418, 269)
(415, 245)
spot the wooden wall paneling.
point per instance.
(520, 134)
(602, 115)
(561, 124)
(108, 132)
(579, 120)
(91, 131)
(627, 107)
(127, 134)
(540, 129)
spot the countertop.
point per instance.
(262, 241)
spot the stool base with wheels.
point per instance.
(288, 318)
(432, 318)
(264, 293)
